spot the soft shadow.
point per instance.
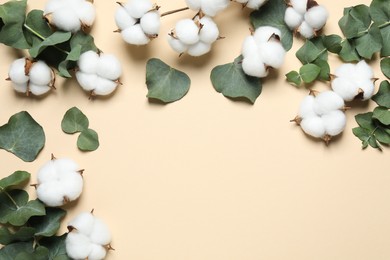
(138, 53)
(358, 104)
(240, 100)
(197, 62)
(156, 102)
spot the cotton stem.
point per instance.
(9, 196)
(174, 11)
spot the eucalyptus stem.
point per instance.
(9, 196)
(384, 25)
(174, 11)
(360, 34)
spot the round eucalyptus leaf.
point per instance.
(88, 140)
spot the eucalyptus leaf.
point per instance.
(37, 25)
(56, 246)
(310, 52)
(356, 19)
(385, 67)
(333, 43)
(10, 252)
(369, 43)
(74, 121)
(385, 31)
(15, 209)
(231, 81)
(49, 224)
(382, 114)
(294, 78)
(365, 121)
(88, 140)
(309, 72)
(272, 14)
(21, 235)
(84, 40)
(54, 39)
(15, 179)
(348, 51)
(69, 62)
(164, 82)
(325, 69)
(40, 253)
(380, 11)
(382, 97)
(22, 136)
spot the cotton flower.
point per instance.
(59, 182)
(88, 238)
(98, 74)
(322, 115)
(34, 77)
(354, 81)
(208, 7)
(70, 15)
(138, 21)
(261, 51)
(252, 4)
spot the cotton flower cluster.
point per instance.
(31, 77)
(354, 80)
(70, 15)
(306, 17)
(261, 51)
(322, 115)
(252, 4)
(138, 21)
(208, 7)
(59, 182)
(194, 36)
(88, 238)
(98, 74)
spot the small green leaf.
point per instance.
(84, 40)
(309, 52)
(356, 19)
(88, 140)
(164, 82)
(348, 51)
(21, 235)
(385, 67)
(309, 72)
(382, 114)
(15, 208)
(54, 39)
(22, 136)
(385, 31)
(333, 43)
(15, 179)
(325, 69)
(56, 246)
(365, 121)
(230, 80)
(294, 78)
(49, 224)
(69, 62)
(380, 11)
(40, 253)
(74, 121)
(272, 14)
(369, 43)
(36, 22)
(10, 252)
(382, 97)
(363, 135)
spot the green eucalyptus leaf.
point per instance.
(22, 136)
(294, 78)
(231, 81)
(88, 140)
(310, 51)
(356, 19)
(164, 82)
(74, 121)
(382, 114)
(36, 25)
(325, 69)
(333, 43)
(40, 253)
(272, 14)
(348, 51)
(21, 235)
(365, 121)
(56, 246)
(10, 252)
(382, 97)
(84, 40)
(309, 72)
(385, 31)
(369, 43)
(13, 15)
(363, 135)
(385, 67)
(54, 39)
(15, 179)
(382, 135)
(15, 209)
(69, 62)
(380, 11)
(49, 224)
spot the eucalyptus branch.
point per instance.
(9, 196)
(175, 11)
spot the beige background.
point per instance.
(207, 178)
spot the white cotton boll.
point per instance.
(306, 30)
(138, 8)
(122, 18)
(198, 49)
(255, 4)
(78, 246)
(86, 12)
(299, 5)
(249, 47)
(47, 172)
(104, 86)
(73, 185)
(83, 223)
(209, 32)
(272, 54)
(100, 233)
(346, 70)
(313, 126)
(53, 5)
(194, 4)
(16, 71)
(38, 90)
(292, 18)
(87, 81)
(334, 122)
(66, 19)
(40, 73)
(177, 45)
(64, 166)
(98, 252)
(345, 88)
(211, 8)
(306, 108)
(363, 70)
(187, 31)
(135, 35)
(21, 88)
(316, 17)
(327, 101)
(50, 193)
(151, 23)
(241, 1)
(367, 86)
(254, 67)
(264, 33)
(88, 62)
(109, 67)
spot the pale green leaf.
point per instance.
(309, 72)
(385, 67)
(325, 69)
(333, 43)
(382, 114)
(36, 23)
(54, 39)
(382, 97)
(88, 140)
(74, 121)
(369, 43)
(294, 78)
(385, 31)
(380, 11)
(15, 179)
(348, 51)
(356, 19)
